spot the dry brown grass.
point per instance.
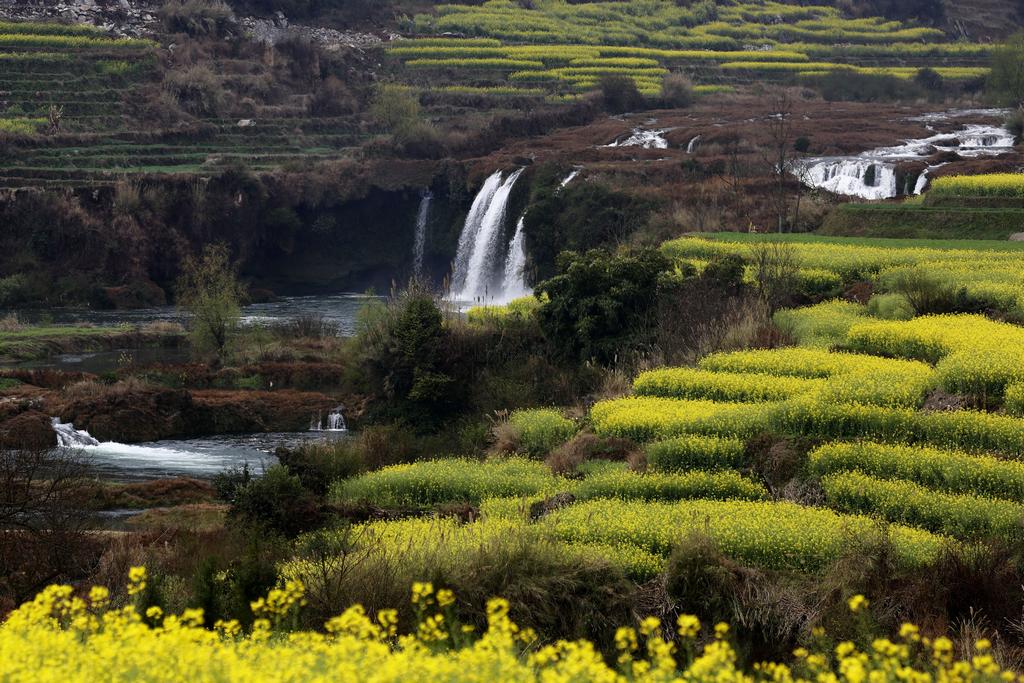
(10, 323)
(163, 328)
(91, 389)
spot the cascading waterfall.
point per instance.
(514, 282)
(922, 182)
(481, 250)
(850, 176)
(69, 437)
(471, 228)
(569, 178)
(334, 422)
(419, 244)
(691, 146)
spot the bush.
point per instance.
(890, 307)
(195, 89)
(701, 580)
(541, 430)
(275, 502)
(1005, 85)
(402, 345)
(619, 94)
(676, 91)
(847, 85)
(318, 464)
(601, 305)
(197, 17)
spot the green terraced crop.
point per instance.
(944, 470)
(695, 452)
(435, 482)
(721, 386)
(766, 534)
(541, 430)
(961, 516)
(618, 482)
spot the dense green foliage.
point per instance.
(601, 303)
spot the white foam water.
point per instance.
(852, 176)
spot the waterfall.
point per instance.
(846, 174)
(569, 178)
(420, 236)
(647, 139)
(69, 437)
(514, 283)
(334, 422)
(467, 240)
(480, 245)
(922, 181)
(691, 146)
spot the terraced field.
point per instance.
(73, 110)
(566, 48)
(857, 387)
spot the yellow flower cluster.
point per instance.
(58, 637)
(982, 185)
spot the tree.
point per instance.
(777, 155)
(601, 305)
(43, 493)
(1006, 80)
(211, 293)
(619, 94)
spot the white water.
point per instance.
(471, 228)
(922, 181)
(648, 139)
(569, 178)
(482, 257)
(691, 146)
(199, 457)
(419, 245)
(514, 281)
(334, 422)
(846, 175)
(69, 437)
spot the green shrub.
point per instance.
(890, 307)
(695, 452)
(541, 430)
(276, 502)
(318, 464)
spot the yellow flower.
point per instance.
(721, 630)
(99, 596)
(983, 645)
(136, 580)
(445, 597)
(857, 603)
(421, 592)
(689, 626)
(650, 625)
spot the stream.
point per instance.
(339, 310)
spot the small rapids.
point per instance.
(872, 174)
(647, 139)
(202, 457)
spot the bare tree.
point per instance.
(42, 518)
(777, 155)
